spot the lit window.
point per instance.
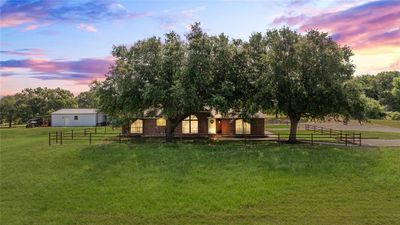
(190, 125)
(137, 127)
(161, 122)
(242, 127)
(75, 117)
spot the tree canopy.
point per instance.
(8, 109)
(306, 74)
(380, 87)
(300, 75)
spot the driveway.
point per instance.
(354, 126)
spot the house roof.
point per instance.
(74, 111)
(234, 115)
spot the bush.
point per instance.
(374, 110)
(393, 115)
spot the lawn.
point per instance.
(388, 123)
(194, 183)
(284, 131)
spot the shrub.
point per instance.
(393, 115)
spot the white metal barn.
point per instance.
(77, 118)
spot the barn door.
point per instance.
(66, 121)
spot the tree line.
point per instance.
(40, 102)
(299, 75)
(381, 93)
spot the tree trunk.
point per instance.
(294, 122)
(170, 130)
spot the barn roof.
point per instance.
(74, 111)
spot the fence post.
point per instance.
(95, 130)
(60, 138)
(354, 139)
(360, 138)
(345, 141)
(49, 138)
(119, 137)
(322, 130)
(90, 138)
(330, 132)
(279, 138)
(312, 139)
(105, 129)
(56, 136)
(84, 131)
(72, 134)
(340, 135)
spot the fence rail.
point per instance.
(348, 137)
(100, 134)
(88, 135)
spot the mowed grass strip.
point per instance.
(194, 183)
(388, 123)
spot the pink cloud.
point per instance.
(367, 25)
(87, 27)
(395, 65)
(81, 71)
(25, 52)
(14, 20)
(31, 27)
(291, 20)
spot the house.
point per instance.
(77, 118)
(201, 125)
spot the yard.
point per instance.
(194, 183)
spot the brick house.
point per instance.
(200, 125)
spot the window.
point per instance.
(75, 117)
(161, 122)
(190, 125)
(137, 127)
(242, 127)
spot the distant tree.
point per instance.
(384, 86)
(307, 75)
(8, 110)
(379, 87)
(88, 99)
(374, 110)
(396, 93)
(42, 101)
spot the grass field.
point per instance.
(194, 183)
(388, 123)
(284, 131)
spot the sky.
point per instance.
(67, 44)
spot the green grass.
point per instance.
(194, 183)
(277, 126)
(364, 134)
(388, 123)
(380, 135)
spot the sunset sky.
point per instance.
(67, 44)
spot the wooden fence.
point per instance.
(346, 137)
(86, 135)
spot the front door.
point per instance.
(219, 126)
(66, 121)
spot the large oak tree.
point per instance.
(172, 77)
(307, 75)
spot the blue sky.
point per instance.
(67, 44)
